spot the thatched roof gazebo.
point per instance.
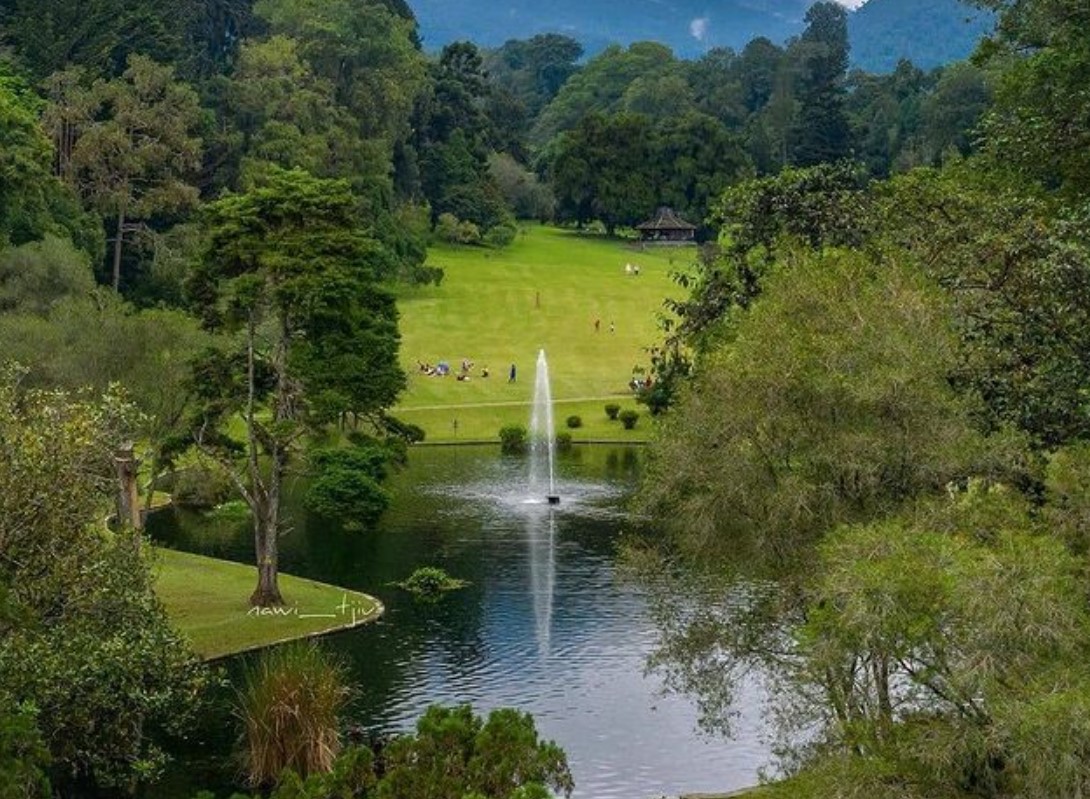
(667, 228)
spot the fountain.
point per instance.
(542, 437)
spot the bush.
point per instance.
(429, 582)
(346, 486)
(629, 418)
(446, 228)
(454, 752)
(513, 439)
(501, 235)
(347, 495)
(612, 409)
(574, 422)
(563, 442)
(202, 486)
(290, 708)
(468, 233)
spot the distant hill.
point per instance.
(930, 32)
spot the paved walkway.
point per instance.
(510, 404)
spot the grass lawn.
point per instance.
(206, 600)
(498, 307)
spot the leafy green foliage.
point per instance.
(128, 145)
(629, 418)
(808, 409)
(822, 134)
(430, 582)
(91, 641)
(1039, 129)
(514, 440)
(347, 484)
(980, 633)
(574, 422)
(456, 753)
(824, 205)
(33, 202)
(23, 755)
(35, 276)
(612, 409)
(1019, 273)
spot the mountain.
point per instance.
(929, 32)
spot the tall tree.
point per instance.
(1040, 126)
(451, 135)
(285, 115)
(603, 170)
(822, 133)
(134, 146)
(100, 35)
(289, 266)
(33, 203)
(367, 52)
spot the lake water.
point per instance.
(545, 626)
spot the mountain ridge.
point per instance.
(928, 32)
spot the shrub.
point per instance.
(429, 582)
(574, 422)
(446, 228)
(629, 418)
(513, 439)
(501, 235)
(347, 495)
(468, 233)
(563, 442)
(454, 752)
(290, 706)
(407, 431)
(202, 486)
(612, 409)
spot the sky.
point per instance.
(853, 4)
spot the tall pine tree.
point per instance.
(822, 133)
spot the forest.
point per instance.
(208, 206)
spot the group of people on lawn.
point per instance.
(442, 369)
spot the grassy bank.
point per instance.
(498, 307)
(207, 601)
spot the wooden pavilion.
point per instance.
(667, 228)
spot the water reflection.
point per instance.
(541, 545)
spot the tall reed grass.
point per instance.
(289, 706)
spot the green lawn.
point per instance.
(498, 307)
(207, 602)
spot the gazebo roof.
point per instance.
(666, 219)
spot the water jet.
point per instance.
(542, 436)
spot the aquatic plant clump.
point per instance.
(431, 582)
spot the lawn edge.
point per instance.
(377, 610)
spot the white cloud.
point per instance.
(698, 28)
(852, 4)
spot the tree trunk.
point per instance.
(266, 488)
(118, 243)
(266, 524)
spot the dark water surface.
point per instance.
(545, 626)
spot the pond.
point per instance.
(545, 625)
